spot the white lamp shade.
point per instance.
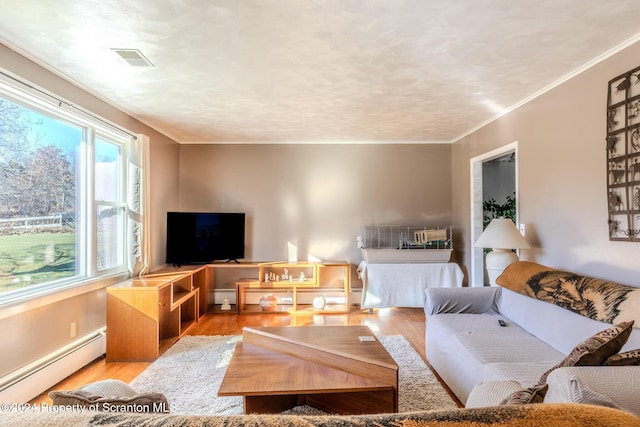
(501, 233)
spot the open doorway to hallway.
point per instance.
(493, 184)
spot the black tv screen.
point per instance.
(202, 237)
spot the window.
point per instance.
(62, 197)
(110, 209)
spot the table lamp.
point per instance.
(501, 235)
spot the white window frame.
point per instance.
(87, 278)
(120, 203)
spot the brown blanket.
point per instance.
(594, 298)
(536, 415)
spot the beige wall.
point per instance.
(562, 175)
(317, 196)
(165, 163)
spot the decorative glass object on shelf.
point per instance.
(390, 243)
(268, 302)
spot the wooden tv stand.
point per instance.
(159, 308)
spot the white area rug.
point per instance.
(190, 372)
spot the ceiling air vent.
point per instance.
(133, 57)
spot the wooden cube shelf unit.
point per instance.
(295, 285)
(144, 313)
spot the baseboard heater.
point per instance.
(28, 382)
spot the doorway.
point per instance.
(493, 176)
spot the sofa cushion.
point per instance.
(620, 383)
(461, 300)
(627, 358)
(109, 388)
(462, 349)
(580, 392)
(596, 349)
(110, 395)
(527, 395)
(491, 393)
(554, 325)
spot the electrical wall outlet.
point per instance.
(73, 330)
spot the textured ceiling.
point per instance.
(317, 70)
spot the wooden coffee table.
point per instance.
(327, 367)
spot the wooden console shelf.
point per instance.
(223, 279)
(159, 308)
(295, 285)
(143, 313)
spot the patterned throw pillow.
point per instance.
(628, 358)
(110, 396)
(525, 396)
(594, 350)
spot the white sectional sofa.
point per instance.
(482, 361)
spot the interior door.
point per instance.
(493, 176)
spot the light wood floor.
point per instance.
(409, 322)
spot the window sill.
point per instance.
(29, 302)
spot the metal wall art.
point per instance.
(623, 156)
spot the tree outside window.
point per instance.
(44, 200)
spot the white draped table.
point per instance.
(403, 284)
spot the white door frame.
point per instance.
(476, 277)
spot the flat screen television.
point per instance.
(202, 237)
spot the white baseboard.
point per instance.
(355, 296)
(218, 296)
(35, 378)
